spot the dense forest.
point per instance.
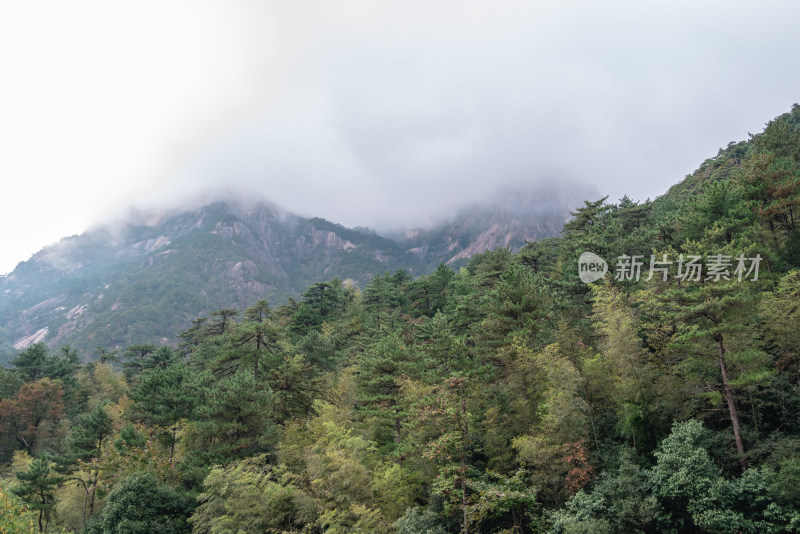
(506, 397)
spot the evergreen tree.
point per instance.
(137, 358)
(250, 343)
(323, 301)
(233, 421)
(85, 445)
(141, 504)
(37, 489)
(32, 363)
(295, 383)
(165, 397)
(378, 371)
(224, 318)
(430, 293)
(105, 356)
(710, 316)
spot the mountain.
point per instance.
(728, 160)
(139, 280)
(508, 221)
(146, 278)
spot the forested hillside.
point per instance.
(144, 278)
(506, 396)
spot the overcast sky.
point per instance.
(379, 113)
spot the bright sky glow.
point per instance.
(372, 113)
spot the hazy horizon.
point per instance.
(370, 114)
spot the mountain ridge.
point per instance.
(146, 276)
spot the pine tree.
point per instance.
(137, 358)
(165, 397)
(771, 177)
(709, 316)
(85, 445)
(31, 364)
(234, 420)
(37, 488)
(378, 371)
(250, 343)
(225, 317)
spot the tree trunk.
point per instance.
(731, 405)
(774, 236)
(91, 496)
(96, 476)
(464, 437)
(397, 429)
(85, 500)
(172, 447)
(464, 494)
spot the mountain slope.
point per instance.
(509, 221)
(726, 163)
(158, 271)
(145, 279)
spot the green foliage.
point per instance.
(233, 421)
(15, 517)
(419, 521)
(143, 357)
(141, 504)
(338, 462)
(164, 397)
(505, 397)
(10, 383)
(295, 384)
(517, 306)
(693, 491)
(87, 436)
(683, 492)
(781, 312)
(504, 496)
(250, 496)
(37, 489)
(622, 500)
(378, 373)
(323, 301)
(250, 344)
(31, 419)
(622, 373)
(32, 363)
(429, 294)
(387, 292)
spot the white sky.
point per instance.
(373, 113)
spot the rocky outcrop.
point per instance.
(27, 341)
(145, 279)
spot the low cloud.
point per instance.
(391, 114)
(383, 114)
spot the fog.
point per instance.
(381, 114)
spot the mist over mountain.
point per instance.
(499, 392)
(508, 220)
(146, 275)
